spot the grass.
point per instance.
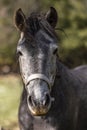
(10, 91)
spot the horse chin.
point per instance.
(38, 111)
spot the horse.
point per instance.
(54, 97)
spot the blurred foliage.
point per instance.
(10, 91)
(72, 18)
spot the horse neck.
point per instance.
(62, 79)
(62, 70)
(65, 80)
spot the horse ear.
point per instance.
(52, 17)
(20, 19)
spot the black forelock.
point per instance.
(36, 22)
(33, 22)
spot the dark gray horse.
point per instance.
(54, 97)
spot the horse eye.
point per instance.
(55, 51)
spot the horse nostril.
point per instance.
(31, 101)
(47, 100)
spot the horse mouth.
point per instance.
(38, 111)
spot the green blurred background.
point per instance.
(72, 46)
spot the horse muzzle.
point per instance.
(39, 100)
(39, 107)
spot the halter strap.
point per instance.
(39, 76)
